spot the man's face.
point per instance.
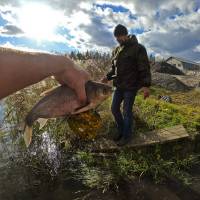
(121, 39)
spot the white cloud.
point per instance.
(10, 30)
(197, 48)
(177, 37)
(33, 21)
(172, 25)
(20, 47)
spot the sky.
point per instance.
(165, 27)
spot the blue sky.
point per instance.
(164, 27)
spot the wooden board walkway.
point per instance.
(149, 138)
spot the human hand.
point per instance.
(75, 77)
(146, 92)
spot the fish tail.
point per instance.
(42, 122)
(28, 135)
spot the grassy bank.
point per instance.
(153, 114)
(103, 172)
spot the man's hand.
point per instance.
(20, 69)
(104, 80)
(75, 78)
(146, 92)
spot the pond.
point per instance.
(33, 173)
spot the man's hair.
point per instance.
(120, 30)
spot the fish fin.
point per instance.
(28, 135)
(46, 92)
(42, 122)
(83, 108)
(96, 109)
(20, 126)
(80, 107)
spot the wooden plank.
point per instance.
(149, 138)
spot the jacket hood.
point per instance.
(132, 39)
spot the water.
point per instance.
(34, 173)
(19, 181)
(51, 178)
(46, 172)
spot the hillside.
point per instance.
(169, 82)
(163, 67)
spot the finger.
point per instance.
(85, 75)
(81, 93)
(59, 80)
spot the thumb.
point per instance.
(59, 79)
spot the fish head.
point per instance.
(97, 92)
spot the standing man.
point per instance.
(130, 72)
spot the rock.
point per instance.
(168, 82)
(189, 80)
(163, 67)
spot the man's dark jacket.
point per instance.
(130, 66)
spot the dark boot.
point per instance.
(117, 137)
(124, 141)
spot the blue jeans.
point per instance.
(125, 122)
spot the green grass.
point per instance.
(159, 114)
(153, 114)
(191, 98)
(104, 173)
(149, 114)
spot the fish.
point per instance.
(62, 101)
